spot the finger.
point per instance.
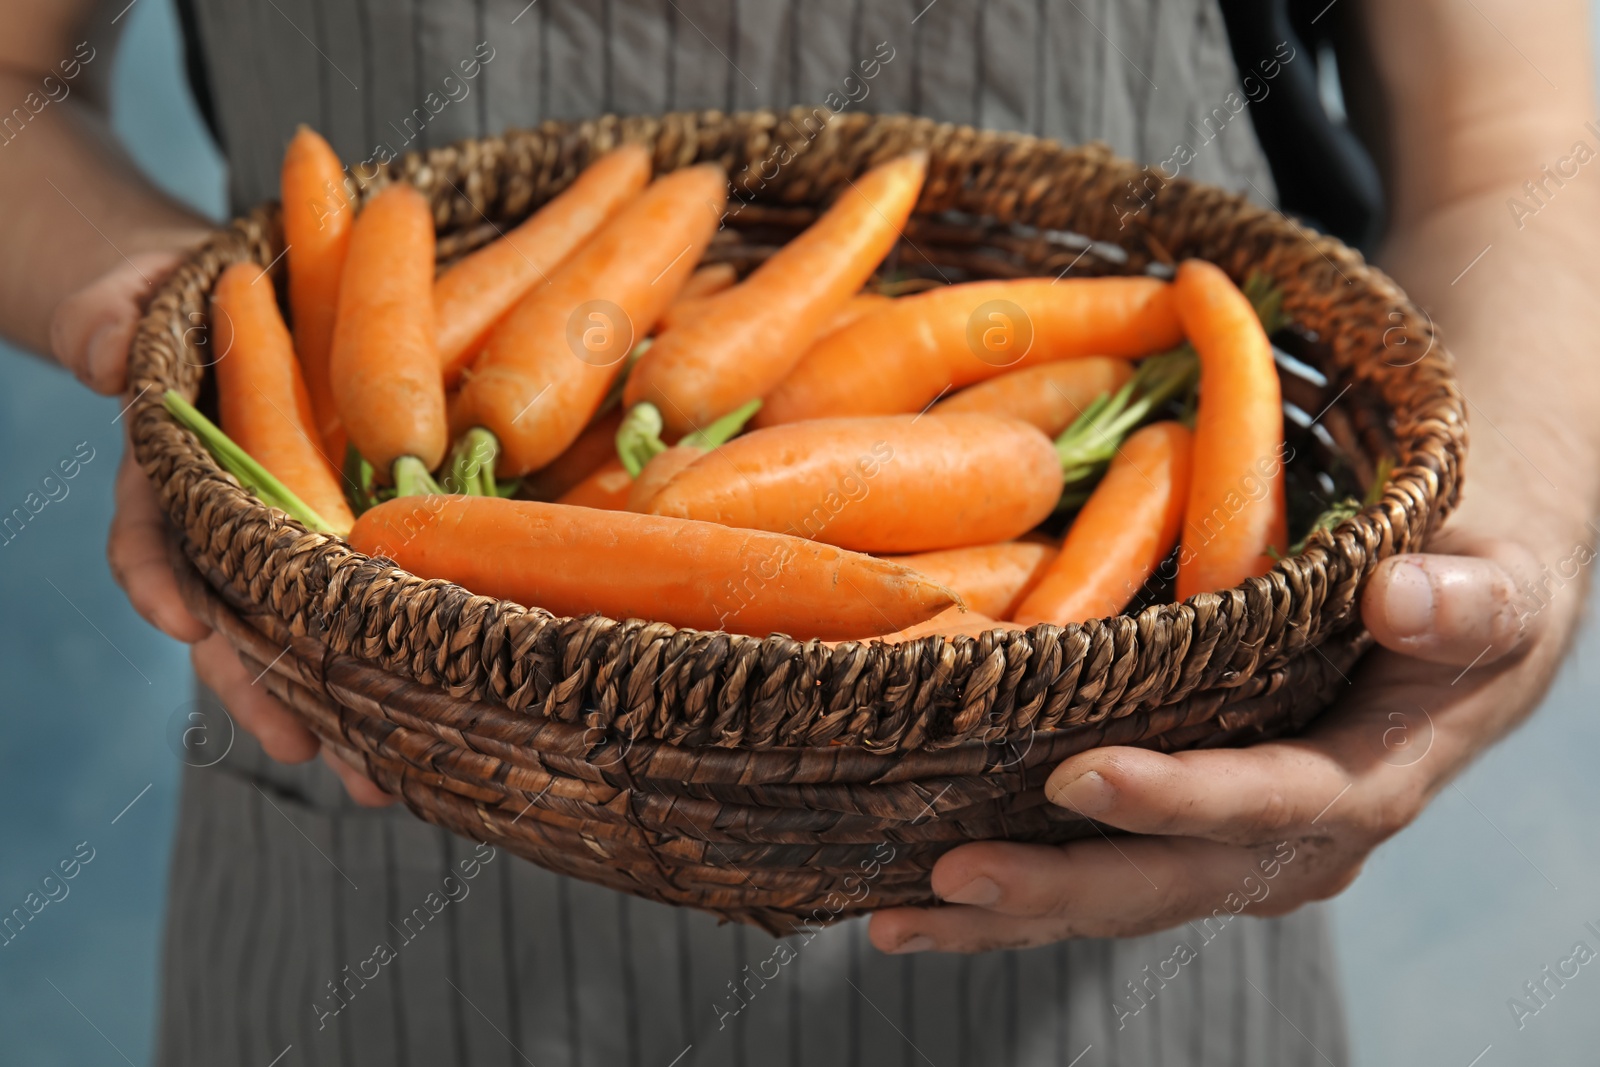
(1237, 796)
(258, 712)
(1094, 882)
(901, 931)
(362, 790)
(90, 330)
(137, 552)
(1091, 888)
(1457, 610)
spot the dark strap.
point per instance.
(1324, 174)
(194, 68)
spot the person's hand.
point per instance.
(90, 332)
(1467, 649)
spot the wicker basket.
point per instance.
(769, 780)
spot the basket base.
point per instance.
(575, 805)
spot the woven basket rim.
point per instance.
(1420, 486)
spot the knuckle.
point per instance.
(1263, 820)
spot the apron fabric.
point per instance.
(304, 927)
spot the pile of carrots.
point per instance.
(842, 465)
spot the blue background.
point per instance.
(1449, 920)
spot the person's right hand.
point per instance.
(90, 332)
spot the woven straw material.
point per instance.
(771, 780)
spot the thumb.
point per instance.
(1457, 610)
(90, 330)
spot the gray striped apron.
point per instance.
(304, 927)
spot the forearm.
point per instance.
(1463, 115)
(72, 205)
(1522, 322)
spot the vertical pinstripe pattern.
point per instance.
(363, 70)
(267, 924)
(526, 966)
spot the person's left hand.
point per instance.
(1270, 827)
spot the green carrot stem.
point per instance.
(411, 478)
(639, 437)
(1088, 445)
(722, 430)
(469, 470)
(360, 487)
(237, 462)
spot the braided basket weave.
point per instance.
(769, 780)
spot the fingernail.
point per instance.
(91, 347)
(1087, 794)
(919, 943)
(979, 891)
(1408, 600)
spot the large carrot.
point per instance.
(574, 561)
(317, 217)
(263, 401)
(903, 357)
(746, 339)
(548, 364)
(1235, 511)
(385, 366)
(594, 447)
(476, 292)
(1051, 396)
(990, 579)
(1124, 531)
(889, 484)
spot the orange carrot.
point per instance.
(709, 280)
(476, 292)
(573, 561)
(385, 367)
(854, 308)
(903, 357)
(696, 294)
(263, 400)
(1235, 509)
(657, 473)
(594, 447)
(1051, 396)
(857, 307)
(952, 622)
(682, 311)
(316, 232)
(1124, 531)
(607, 487)
(890, 484)
(548, 364)
(991, 579)
(746, 339)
